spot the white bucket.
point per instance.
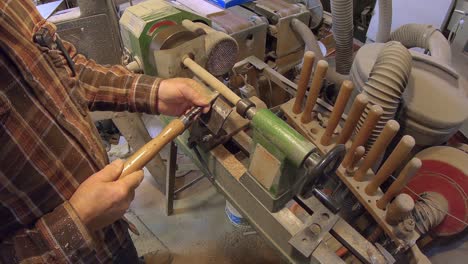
(235, 217)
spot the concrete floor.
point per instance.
(198, 231)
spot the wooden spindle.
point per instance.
(395, 159)
(338, 109)
(320, 72)
(304, 78)
(355, 113)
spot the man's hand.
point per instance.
(178, 95)
(103, 198)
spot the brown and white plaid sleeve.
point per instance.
(62, 235)
(114, 88)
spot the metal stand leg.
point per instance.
(188, 185)
(170, 178)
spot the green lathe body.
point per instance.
(286, 144)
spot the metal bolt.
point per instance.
(273, 30)
(316, 229)
(207, 138)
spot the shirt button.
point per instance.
(71, 82)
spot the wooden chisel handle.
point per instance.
(319, 74)
(398, 155)
(338, 109)
(306, 71)
(405, 175)
(358, 154)
(142, 156)
(377, 149)
(360, 102)
(375, 113)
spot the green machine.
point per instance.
(141, 26)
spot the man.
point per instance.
(59, 202)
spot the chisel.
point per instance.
(176, 127)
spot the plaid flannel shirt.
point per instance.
(49, 144)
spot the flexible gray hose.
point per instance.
(342, 19)
(311, 44)
(386, 84)
(385, 21)
(426, 37)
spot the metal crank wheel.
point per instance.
(319, 170)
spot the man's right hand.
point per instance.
(103, 198)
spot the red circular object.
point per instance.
(159, 24)
(440, 177)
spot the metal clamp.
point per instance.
(316, 227)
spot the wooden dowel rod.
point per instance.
(212, 81)
(377, 149)
(194, 27)
(304, 78)
(405, 175)
(375, 112)
(355, 113)
(319, 74)
(395, 159)
(338, 109)
(357, 156)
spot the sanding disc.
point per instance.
(451, 182)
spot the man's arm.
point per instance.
(64, 235)
(57, 237)
(114, 88)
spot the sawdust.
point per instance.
(249, 248)
(229, 161)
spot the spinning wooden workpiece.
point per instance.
(320, 72)
(211, 80)
(304, 78)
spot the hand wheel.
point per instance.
(320, 171)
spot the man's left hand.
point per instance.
(177, 95)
